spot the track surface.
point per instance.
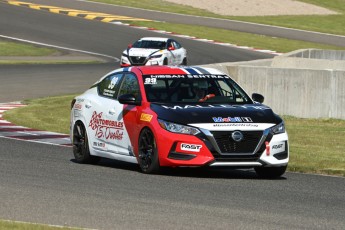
(41, 183)
(272, 31)
(104, 38)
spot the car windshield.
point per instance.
(147, 44)
(194, 89)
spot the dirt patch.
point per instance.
(255, 7)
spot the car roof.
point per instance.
(183, 70)
(154, 39)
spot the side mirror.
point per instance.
(129, 46)
(171, 48)
(258, 97)
(128, 99)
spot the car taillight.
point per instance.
(72, 103)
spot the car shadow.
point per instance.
(191, 172)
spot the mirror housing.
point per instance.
(129, 45)
(258, 97)
(171, 48)
(128, 99)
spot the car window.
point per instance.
(130, 85)
(193, 89)
(177, 45)
(149, 44)
(109, 85)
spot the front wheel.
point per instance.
(148, 153)
(81, 149)
(270, 172)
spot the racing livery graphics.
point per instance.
(154, 51)
(170, 116)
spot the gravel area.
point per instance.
(255, 7)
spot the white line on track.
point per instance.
(59, 47)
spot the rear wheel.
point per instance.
(148, 153)
(81, 149)
(165, 61)
(270, 172)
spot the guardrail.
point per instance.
(304, 83)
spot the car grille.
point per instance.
(137, 60)
(226, 144)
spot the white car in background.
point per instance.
(154, 51)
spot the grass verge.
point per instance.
(15, 53)
(316, 145)
(20, 49)
(334, 24)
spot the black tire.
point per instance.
(270, 172)
(81, 149)
(165, 61)
(184, 62)
(148, 153)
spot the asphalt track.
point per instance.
(272, 31)
(41, 183)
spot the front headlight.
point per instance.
(280, 128)
(125, 55)
(177, 128)
(156, 56)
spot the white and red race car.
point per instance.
(177, 116)
(154, 51)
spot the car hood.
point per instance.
(215, 113)
(139, 52)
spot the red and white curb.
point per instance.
(198, 39)
(12, 131)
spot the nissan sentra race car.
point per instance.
(163, 116)
(154, 51)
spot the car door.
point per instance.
(128, 114)
(103, 128)
(171, 53)
(178, 52)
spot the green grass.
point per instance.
(51, 114)
(14, 53)
(237, 38)
(322, 23)
(13, 225)
(316, 145)
(20, 49)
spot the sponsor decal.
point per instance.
(232, 119)
(205, 76)
(108, 92)
(190, 147)
(106, 129)
(150, 81)
(236, 125)
(99, 144)
(77, 106)
(187, 76)
(113, 83)
(161, 76)
(278, 147)
(146, 117)
(175, 107)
